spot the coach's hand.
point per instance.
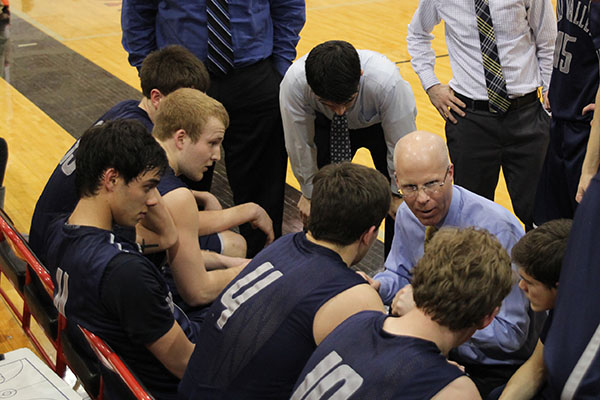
(403, 301)
(443, 99)
(374, 283)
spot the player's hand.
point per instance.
(443, 99)
(589, 108)
(403, 301)
(584, 182)
(374, 283)
(394, 204)
(304, 208)
(207, 200)
(263, 222)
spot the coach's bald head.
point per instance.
(424, 175)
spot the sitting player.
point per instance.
(190, 127)
(262, 329)
(104, 283)
(458, 286)
(162, 72)
(539, 255)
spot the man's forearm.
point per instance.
(214, 221)
(528, 379)
(592, 155)
(219, 261)
(288, 17)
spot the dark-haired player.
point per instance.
(163, 72)
(458, 287)
(539, 256)
(262, 329)
(103, 282)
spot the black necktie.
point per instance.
(340, 148)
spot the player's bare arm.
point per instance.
(173, 350)
(197, 286)
(157, 231)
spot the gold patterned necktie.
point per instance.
(429, 232)
(494, 78)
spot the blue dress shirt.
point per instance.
(259, 29)
(508, 339)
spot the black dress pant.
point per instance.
(255, 156)
(371, 138)
(482, 142)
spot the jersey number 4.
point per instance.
(243, 293)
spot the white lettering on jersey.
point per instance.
(62, 291)
(328, 373)
(232, 304)
(562, 57)
(67, 164)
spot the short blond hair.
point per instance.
(187, 109)
(463, 276)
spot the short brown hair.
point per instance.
(187, 109)
(171, 68)
(541, 251)
(347, 200)
(463, 276)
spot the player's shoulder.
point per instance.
(460, 388)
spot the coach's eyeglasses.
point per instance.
(429, 188)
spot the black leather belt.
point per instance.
(483, 105)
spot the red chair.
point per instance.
(114, 363)
(37, 294)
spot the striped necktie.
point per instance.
(339, 142)
(494, 78)
(220, 47)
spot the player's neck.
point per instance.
(417, 324)
(171, 152)
(347, 253)
(92, 211)
(146, 105)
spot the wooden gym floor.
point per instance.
(68, 67)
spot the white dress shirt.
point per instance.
(383, 97)
(525, 34)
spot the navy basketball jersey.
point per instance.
(571, 349)
(169, 182)
(60, 196)
(359, 360)
(258, 334)
(80, 256)
(575, 75)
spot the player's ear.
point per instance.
(369, 236)
(109, 179)
(155, 97)
(180, 137)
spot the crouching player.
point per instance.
(262, 329)
(539, 255)
(458, 287)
